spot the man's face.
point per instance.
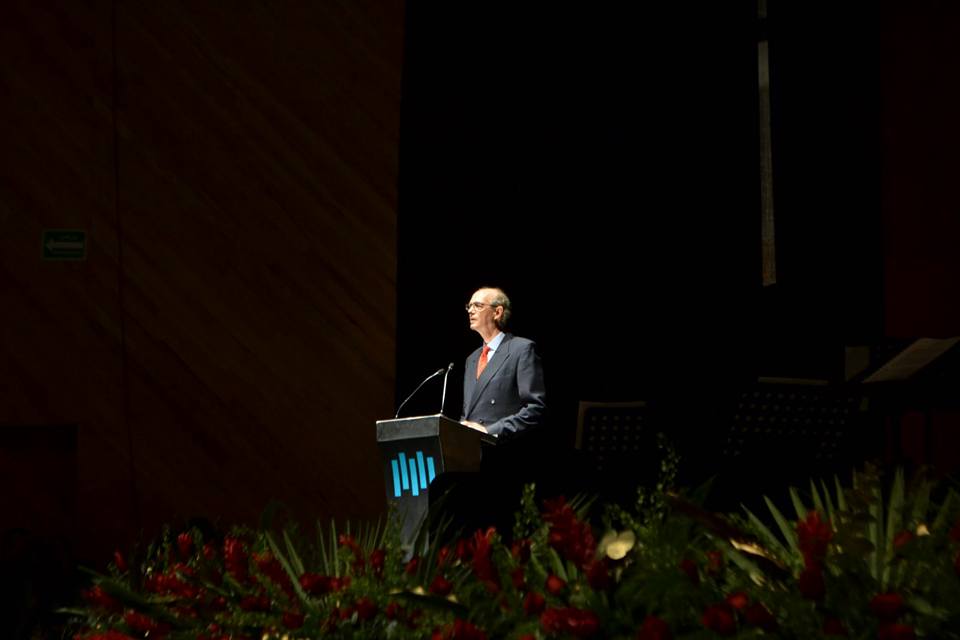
(483, 317)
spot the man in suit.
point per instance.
(503, 389)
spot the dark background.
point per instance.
(288, 204)
(602, 167)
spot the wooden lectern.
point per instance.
(417, 450)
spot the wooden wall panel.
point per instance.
(245, 275)
(60, 357)
(920, 135)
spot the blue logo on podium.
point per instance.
(411, 474)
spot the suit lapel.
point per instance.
(499, 358)
(471, 377)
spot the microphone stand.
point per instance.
(443, 398)
(425, 381)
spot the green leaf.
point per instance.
(858, 547)
(895, 511)
(817, 502)
(785, 529)
(294, 577)
(434, 603)
(325, 565)
(923, 607)
(831, 513)
(841, 499)
(875, 534)
(798, 505)
(771, 540)
(556, 563)
(920, 499)
(749, 566)
(295, 563)
(944, 517)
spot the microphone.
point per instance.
(443, 398)
(425, 381)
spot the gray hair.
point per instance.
(500, 299)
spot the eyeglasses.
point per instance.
(470, 306)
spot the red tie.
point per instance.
(482, 362)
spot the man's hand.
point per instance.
(474, 425)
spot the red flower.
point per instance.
(393, 611)
(377, 559)
(533, 603)
(519, 583)
(171, 583)
(483, 566)
(896, 632)
(413, 620)
(120, 562)
(886, 606)
(270, 567)
(811, 584)
(598, 576)
(293, 619)
(235, 559)
(144, 625)
(689, 567)
(555, 585)
(833, 627)
(520, 550)
(813, 536)
(902, 538)
(714, 562)
(316, 584)
(99, 598)
(444, 555)
(412, 565)
(209, 551)
(653, 628)
(572, 539)
(106, 635)
(185, 545)
(366, 608)
(576, 622)
(255, 603)
(338, 583)
(441, 586)
(463, 550)
(719, 618)
(348, 541)
(460, 630)
(738, 600)
(758, 615)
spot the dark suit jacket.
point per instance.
(509, 396)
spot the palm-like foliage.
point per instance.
(894, 542)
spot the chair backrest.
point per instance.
(791, 433)
(611, 431)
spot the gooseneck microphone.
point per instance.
(425, 381)
(443, 398)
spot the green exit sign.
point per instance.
(64, 244)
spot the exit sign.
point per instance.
(64, 244)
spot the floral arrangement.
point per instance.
(856, 563)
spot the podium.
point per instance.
(417, 450)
